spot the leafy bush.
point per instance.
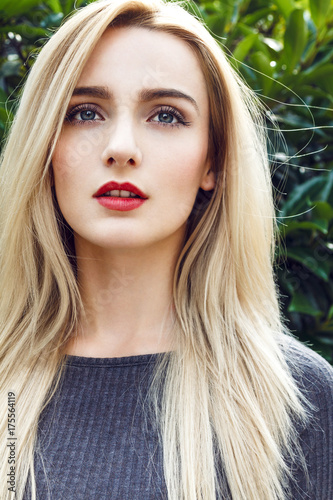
(284, 50)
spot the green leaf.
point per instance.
(285, 7)
(322, 224)
(321, 76)
(5, 116)
(216, 23)
(301, 304)
(295, 38)
(330, 313)
(319, 10)
(17, 8)
(293, 226)
(68, 6)
(55, 5)
(256, 16)
(261, 63)
(318, 267)
(326, 57)
(244, 47)
(273, 44)
(327, 190)
(313, 189)
(244, 29)
(309, 90)
(3, 96)
(323, 210)
(4, 4)
(27, 31)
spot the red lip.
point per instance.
(124, 186)
(120, 204)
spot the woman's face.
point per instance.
(139, 115)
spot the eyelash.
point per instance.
(91, 107)
(76, 109)
(171, 111)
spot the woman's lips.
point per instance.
(120, 203)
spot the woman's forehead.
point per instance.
(130, 59)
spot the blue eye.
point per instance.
(165, 117)
(88, 114)
(83, 113)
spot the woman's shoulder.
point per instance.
(314, 377)
(311, 371)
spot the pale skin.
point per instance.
(158, 143)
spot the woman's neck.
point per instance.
(127, 299)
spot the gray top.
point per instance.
(94, 442)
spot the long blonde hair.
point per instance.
(228, 400)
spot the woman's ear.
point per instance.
(208, 179)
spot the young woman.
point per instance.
(142, 350)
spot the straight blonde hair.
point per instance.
(227, 406)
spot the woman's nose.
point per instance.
(121, 146)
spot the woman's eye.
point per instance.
(80, 115)
(166, 118)
(85, 115)
(169, 116)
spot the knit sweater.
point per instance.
(94, 441)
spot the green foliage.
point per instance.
(284, 50)
(295, 38)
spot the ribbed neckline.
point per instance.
(140, 359)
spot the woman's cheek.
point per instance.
(184, 188)
(191, 165)
(63, 160)
(73, 149)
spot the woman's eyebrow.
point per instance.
(99, 92)
(144, 96)
(150, 94)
